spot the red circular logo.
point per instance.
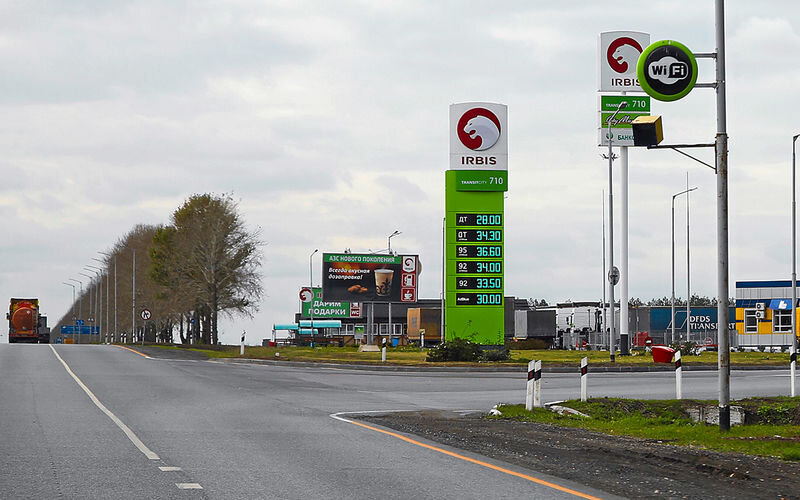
(623, 53)
(478, 129)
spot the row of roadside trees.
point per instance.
(203, 263)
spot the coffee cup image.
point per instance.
(383, 281)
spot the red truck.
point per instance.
(25, 324)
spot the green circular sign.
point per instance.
(667, 70)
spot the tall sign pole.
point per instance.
(618, 53)
(474, 223)
(722, 225)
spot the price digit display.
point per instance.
(479, 267)
(479, 299)
(478, 283)
(493, 251)
(479, 235)
(479, 219)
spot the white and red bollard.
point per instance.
(533, 394)
(584, 375)
(678, 380)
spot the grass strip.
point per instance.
(413, 356)
(666, 421)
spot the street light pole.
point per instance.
(723, 289)
(611, 343)
(390, 240)
(89, 292)
(794, 257)
(133, 301)
(390, 296)
(311, 285)
(685, 191)
(80, 308)
(603, 331)
(99, 300)
(108, 297)
(73, 302)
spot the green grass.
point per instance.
(665, 421)
(412, 356)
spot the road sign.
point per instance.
(667, 70)
(79, 322)
(613, 275)
(306, 295)
(145, 314)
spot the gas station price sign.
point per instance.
(478, 283)
(478, 267)
(481, 251)
(474, 303)
(479, 220)
(474, 276)
(479, 299)
(479, 235)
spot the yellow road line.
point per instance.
(132, 350)
(474, 461)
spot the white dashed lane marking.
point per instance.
(189, 486)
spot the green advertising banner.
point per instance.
(329, 309)
(370, 277)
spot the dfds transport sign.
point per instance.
(478, 136)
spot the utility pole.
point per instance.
(721, 143)
(133, 296)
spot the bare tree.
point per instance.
(208, 261)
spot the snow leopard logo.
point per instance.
(623, 54)
(478, 129)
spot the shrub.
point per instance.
(688, 348)
(496, 354)
(528, 344)
(455, 350)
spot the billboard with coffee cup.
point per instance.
(369, 277)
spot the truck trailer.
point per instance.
(25, 324)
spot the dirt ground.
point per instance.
(628, 467)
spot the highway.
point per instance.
(93, 421)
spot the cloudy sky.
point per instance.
(329, 122)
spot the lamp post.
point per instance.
(80, 308)
(390, 297)
(794, 256)
(116, 332)
(685, 191)
(73, 302)
(311, 285)
(98, 300)
(108, 298)
(89, 292)
(610, 138)
(390, 240)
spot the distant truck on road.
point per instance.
(25, 324)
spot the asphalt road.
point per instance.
(167, 428)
